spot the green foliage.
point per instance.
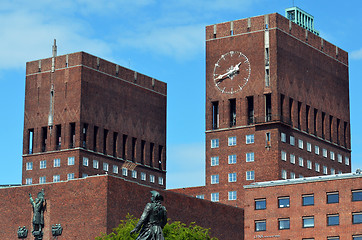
(173, 231)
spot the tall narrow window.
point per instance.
(215, 115)
(115, 143)
(152, 146)
(330, 128)
(95, 136)
(267, 77)
(299, 114)
(44, 136)
(160, 149)
(268, 115)
(267, 139)
(72, 135)
(134, 141)
(105, 136)
(58, 136)
(250, 101)
(143, 144)
(315, 121)
(232, 105)
(124, 147)
(345, 134)
(338, 124)
(323, 123)
(31, 140)
(84, 138)
(307, 109)
(266, 56)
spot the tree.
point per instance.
(174, 231)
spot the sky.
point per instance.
(161, 39)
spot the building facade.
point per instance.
(277, 105)
(87, 116)
(314, 208)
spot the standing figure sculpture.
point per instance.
(153, 219)
(39, 206)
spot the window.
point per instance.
(308, 222)
(232, 159)
(346, 160)
(43, 164)
(232, 177)
(332, 238)
(331, 154)
(301, 161)
(316, 150)
(292, 175)
(232, 141)
(317, 167)
(292, 158)
(333, 171)
(283, 137)
(284, 174)
(250, 139)
(292, 140)
(357, 237)
(308, 200)
(357, 195)
(84, 175)
(214, 179)
(42, 179)
(160, 180)
(333, 197)
(214, 161)
(250, 157)
(28, 181)
(215, 143)
(115, 169)
(357, 218)
(339, 158)
(70, 176)
(215, 115)
(309, 147)
(202, 196)
(283, 202)
(284, 156)
(56, 162)
(70, 161)
(125, 172)
(29, 166)
(309, 164)
(301, 176)
(95, 164)
(85, 161)
(105, 166)
(143, 176)
(300, 143)
(250, 175)
(260, 204)
(260, 225)
(232, 195)
(134, 174)
(284, 223)
(324, 152)
(332, 219)
(325, 170)
(56, 178)
(152, 178)
(215, 197)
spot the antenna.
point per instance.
(55, 48)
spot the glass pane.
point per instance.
(308, 222)
(333, 198)
(260, 204)
(357, 218)
(308, 200)
(333, 220)
(284, 224)
(283, 202)
(357, 196)
(260, 226)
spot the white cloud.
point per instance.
(186, 165)
(357, 54)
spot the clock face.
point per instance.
(231, 72)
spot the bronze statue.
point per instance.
(153, 219)
(39, 206)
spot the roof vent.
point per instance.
(301, 18)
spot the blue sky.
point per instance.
(162, 39)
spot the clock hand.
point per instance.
(229, 73)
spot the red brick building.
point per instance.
(86, 207)
(277, 106)
(86, 116)
(314, 208)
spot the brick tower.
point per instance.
(86, 116)
(277, 104)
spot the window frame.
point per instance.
(329, 216)
(215, 143)
(71, 161)
(330, 201)
(304, 223)
(283, 137)
(358, 193)
(56, 178)
(215, 197)
(29, 166)
(43, 164)
(95, 164)
(250, 175)
(249, 139)
(250, 157)
(232, 177)
(259, 200)
(280, 220)
(261, 229)
(215, 179)
(232, 195)
(85, 161)
(359, 218)
(214, 161)
(231, 159)
(281, 199)
(305, 198)
(231, 141)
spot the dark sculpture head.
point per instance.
(156, 196)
